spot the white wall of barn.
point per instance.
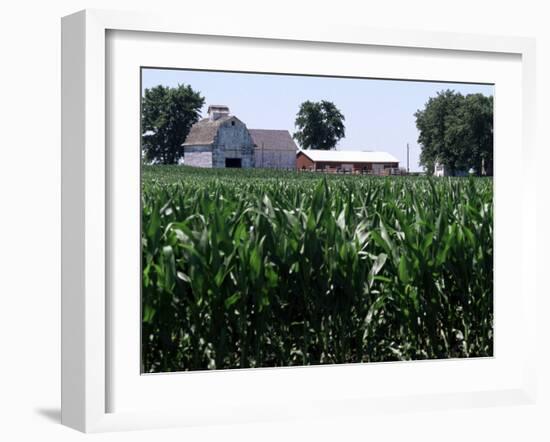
(233, 141)
(275, 158)
(30, 214)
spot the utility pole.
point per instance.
(407, 158)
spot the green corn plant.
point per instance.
(259, 268)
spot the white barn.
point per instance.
(222, 140)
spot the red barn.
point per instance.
(353, 161)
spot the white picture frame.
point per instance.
(87, 356)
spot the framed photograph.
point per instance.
(267, 223)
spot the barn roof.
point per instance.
(348, 156)
(205, 130)
(273, 139)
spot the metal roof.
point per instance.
(348, 156)
(268, 139)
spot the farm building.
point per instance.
(222, 140)
(375, 163)
(441, 170)
(274, 149)
(219, 140)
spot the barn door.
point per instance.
(233, 163)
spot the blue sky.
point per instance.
(379, 113)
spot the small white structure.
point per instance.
(441, 170)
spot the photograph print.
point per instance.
(293, 220)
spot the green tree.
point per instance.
(477, 115)
(167, 115)
(320, 125)
(457, 131)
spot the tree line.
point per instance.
(455, 130)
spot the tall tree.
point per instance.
(457, 131)
(320, 125)
(167, 115)
(478, 121)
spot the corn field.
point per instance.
(257, 268)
